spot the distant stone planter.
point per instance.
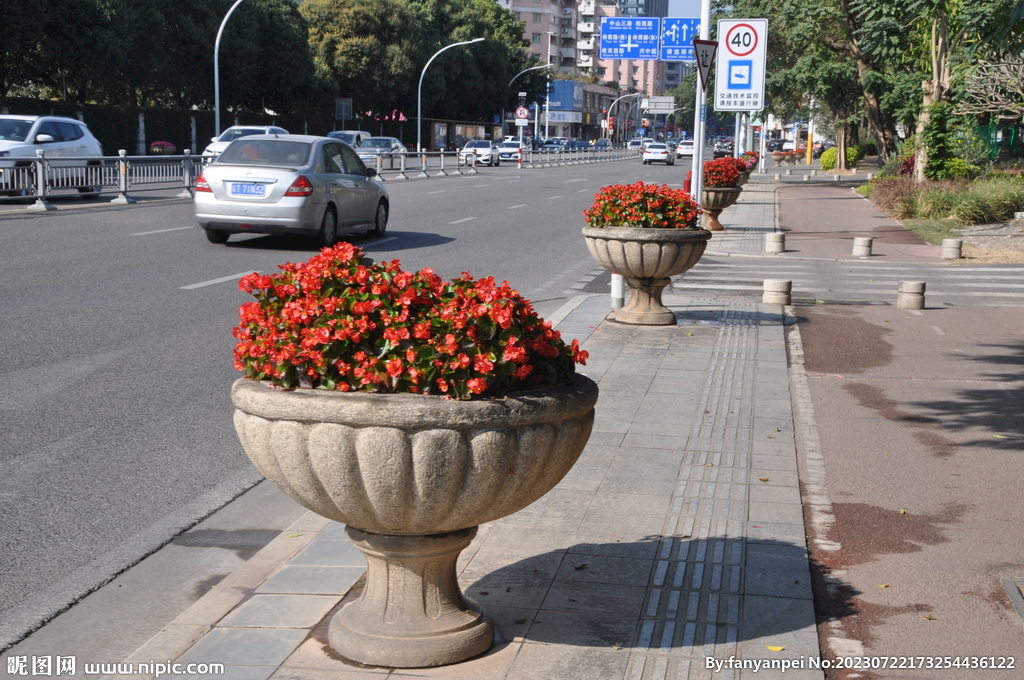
(743, 178)
(779, 158)
(163, 150)
(412, 476)
(714, 201)
(646, 258)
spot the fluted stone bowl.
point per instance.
(646, 253)
(405, 464)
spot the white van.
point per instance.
(351, 137)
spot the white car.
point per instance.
(635, 145)
(481, 151)
(788, 145)
(383, 148)
(684, 148)
(58, 138)
(351, 137)
(659, 152)
(218, 144)
(510, 151)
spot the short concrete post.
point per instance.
(789, 171)
(777, 292)
(807, 178)
(1018, 216)
(835, 178)
(814, 173)
(862, 247)
(952, 248)
(910, 295)
(778, 177)
(775, 242)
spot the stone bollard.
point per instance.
(778, 177)
(835, 178)
(952, 248)
(776, 292)
(814, 173)
(1018, 216)
(870, 176)
(789, 171)
(862, 247)
(807, 178)
(775, 242)
(910, 295)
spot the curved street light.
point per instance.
(612, 106)
(419, 90)
(532, 68)
(216, 70)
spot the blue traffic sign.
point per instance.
(629, 37)
(677, 39)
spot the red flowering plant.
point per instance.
(739, 163)
(721, 172)
(750, 158)
(338, 323)
(643, 205)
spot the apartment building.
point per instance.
(550, 28)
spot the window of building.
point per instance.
(537, 18)
(635, 69)
(536, 37)
(601, 70)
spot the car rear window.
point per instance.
(265, 152)
(231, 134)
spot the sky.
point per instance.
(684, 8)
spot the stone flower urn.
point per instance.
(715, 200)
(646, 258)
(412, 476)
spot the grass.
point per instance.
(958, 202)
(932, 230)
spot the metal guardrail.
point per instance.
(37, 178)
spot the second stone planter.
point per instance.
(716, 199)
(646, 258)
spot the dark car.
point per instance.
(774, 144)
(573, 144)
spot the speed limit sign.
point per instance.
(743, 47)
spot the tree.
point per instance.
(997, 89)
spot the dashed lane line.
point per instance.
(464, 219)
(160, 231)
(513, 207)
(201, 284)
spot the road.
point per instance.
(117, 331)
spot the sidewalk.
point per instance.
(677, 536)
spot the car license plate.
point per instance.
(238, 189)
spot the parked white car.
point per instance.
(684, 148)
(510, 151)
(659, 152)
(218, 144)
(480, 149)
(58, 138)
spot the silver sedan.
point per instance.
(290, 184)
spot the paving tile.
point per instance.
(585, 475)
(634, 546)
(776, 477)
(521, 560)
(776, 532)
(625, 513)
(492, 665)
(560, 508)
(771, 492)
(603, 569)
(783, 463)
(779, 622)
(783, 513)
(238, 673)
(653, 441)
(568, 662)
(595, 598)
(777, 570)
(507, 534)
(510, 589)
(312, 580)
(579, 630)
(280, 611)
(330, 552)
(245, 646)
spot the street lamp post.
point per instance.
(611, 107)
(532, 68)
(216, 70)
(547, 95)
(419, 90)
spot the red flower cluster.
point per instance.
(721, 172)
(751, 158)
(335, 323)
(643, 205)
(739, 163)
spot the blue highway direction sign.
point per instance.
(629, 37)
(677, 39)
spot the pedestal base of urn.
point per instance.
(412, 613)
(644, 307)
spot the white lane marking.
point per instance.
(551, 198)
(160, 231)
(233, 277)
(916, 312)
(464, 219)
(513, 207)
(938, 331)
(377, 241)
(479, 186)
(583, 191)
(570, 181)
(443, 191)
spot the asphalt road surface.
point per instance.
(116, 328)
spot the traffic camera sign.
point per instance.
(741, 64)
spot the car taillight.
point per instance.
(300, 187)
(202, 184)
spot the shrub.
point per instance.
(868, 149)
(853, 156)
(937, 200)
(896, 196)
(828, 158)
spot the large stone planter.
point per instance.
(646, 258)
(412, 476)
(714, 201)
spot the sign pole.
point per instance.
(700, 110)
